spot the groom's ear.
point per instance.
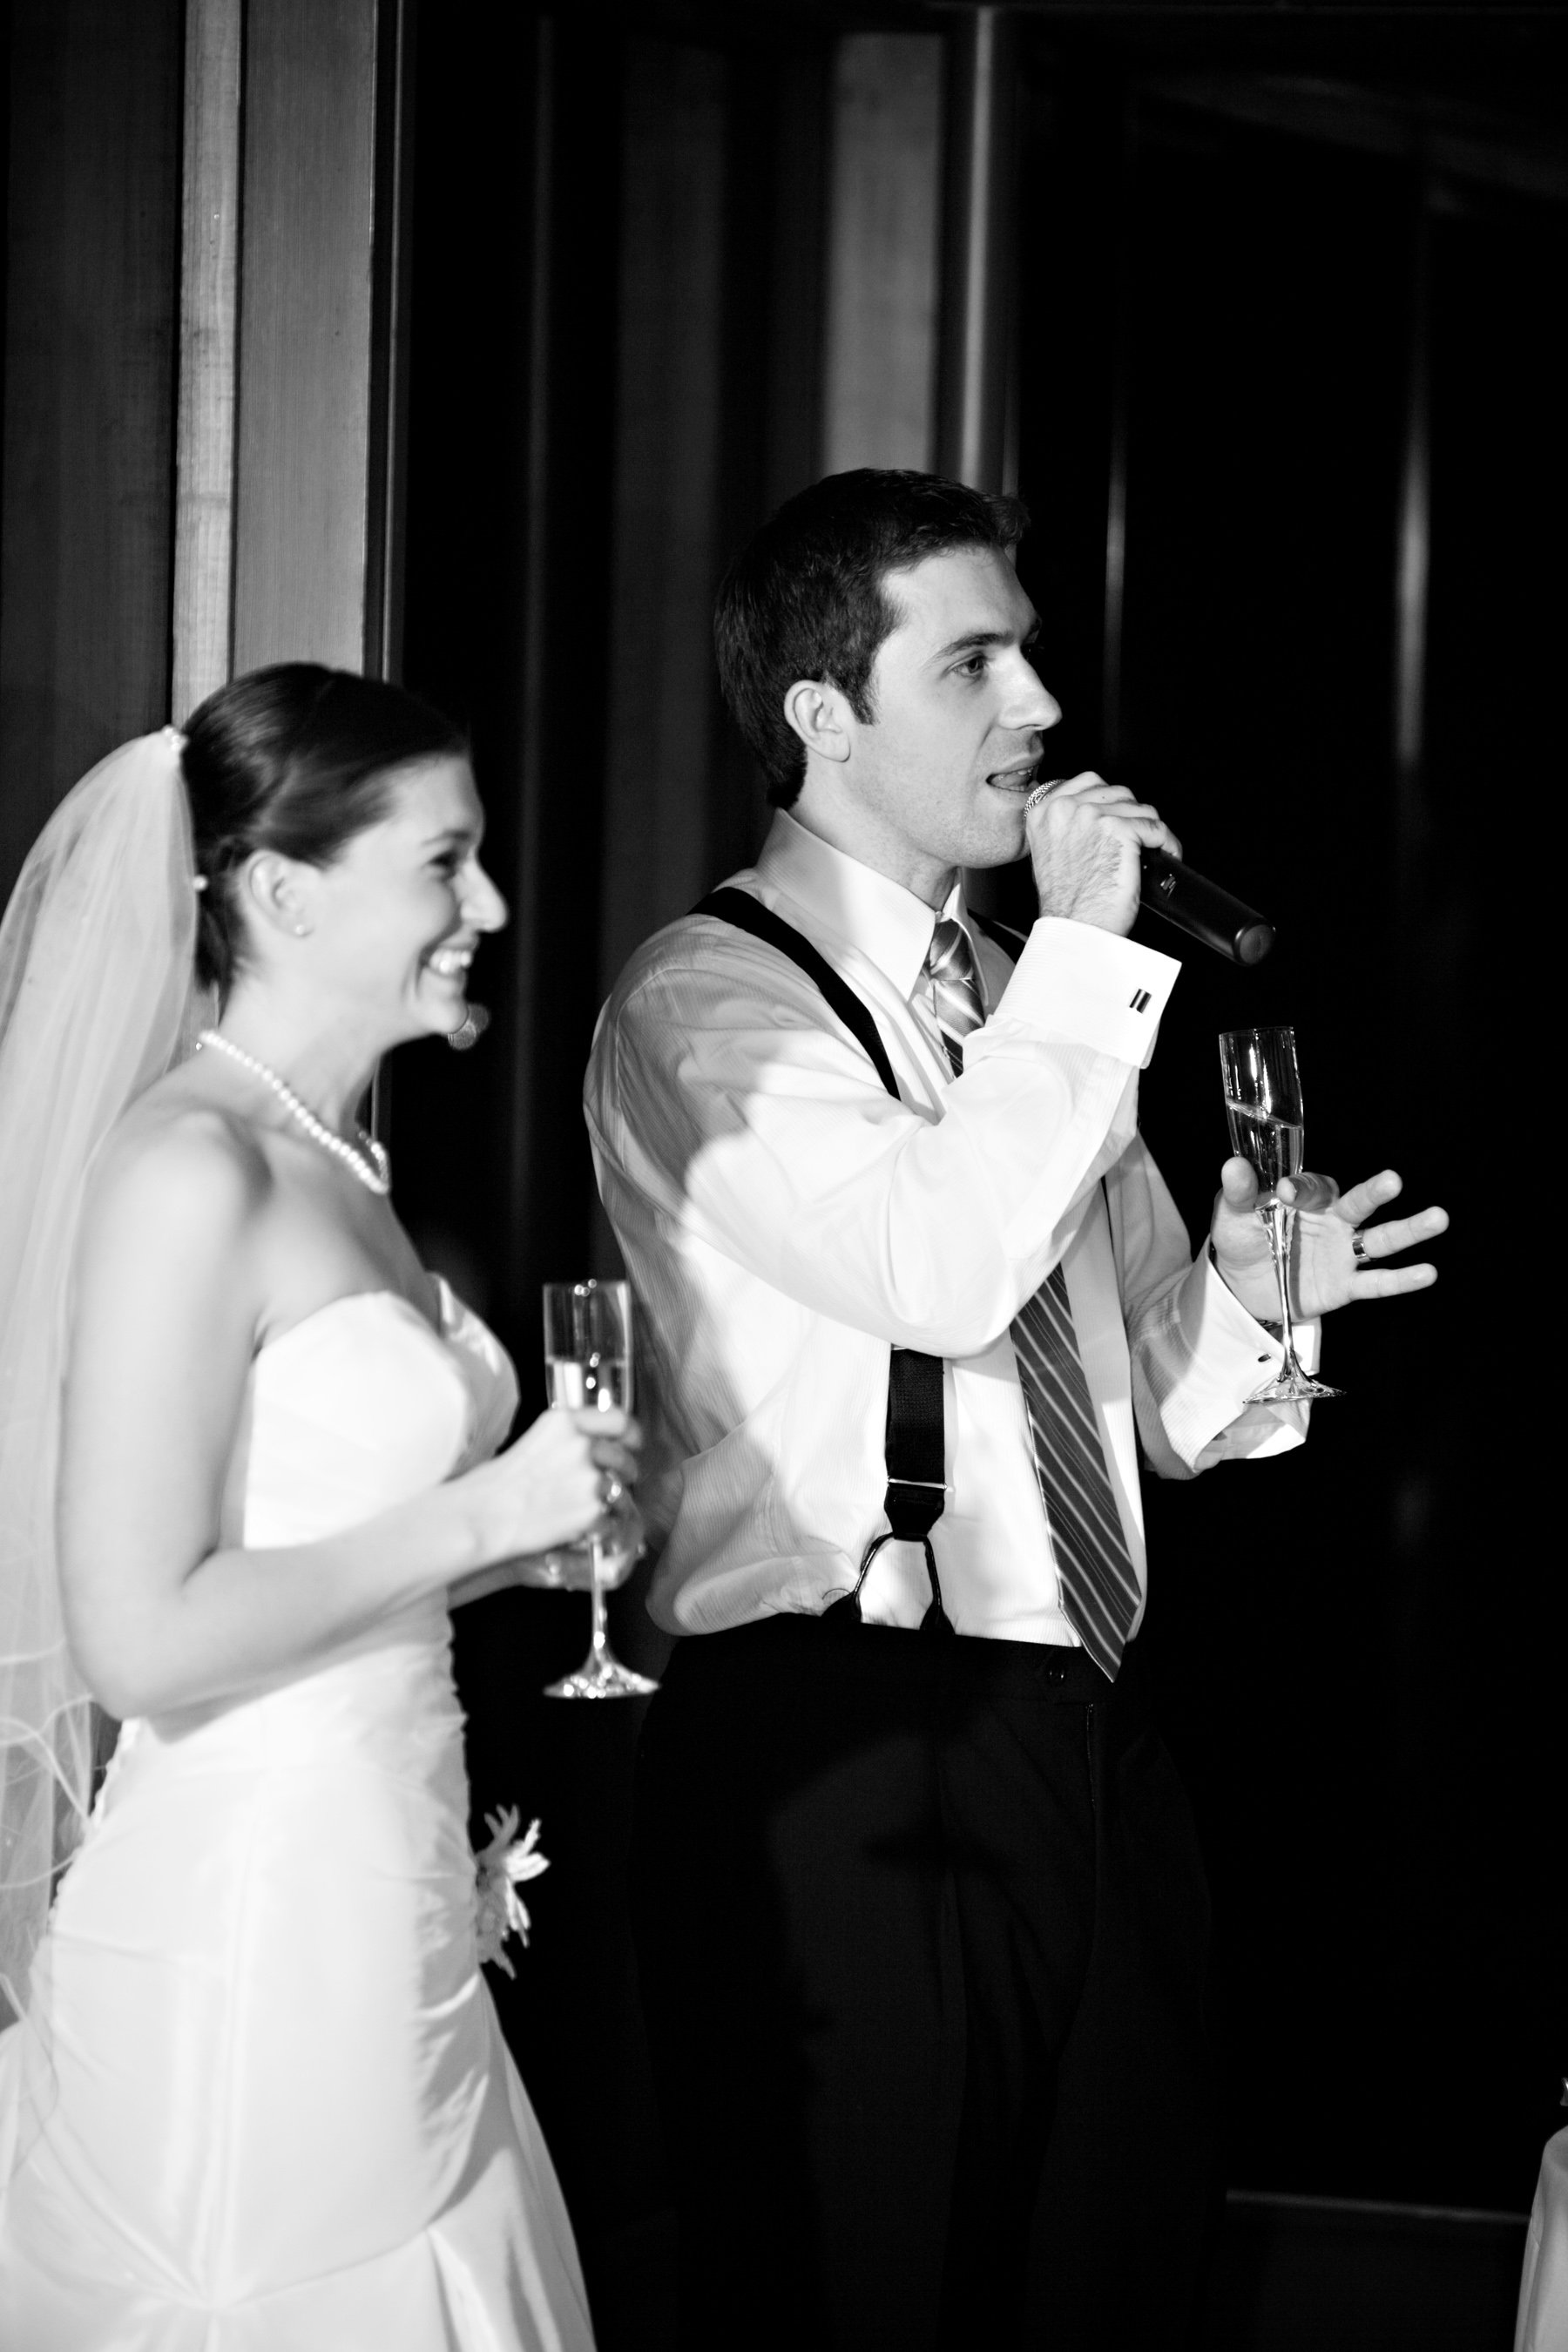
(820, 715)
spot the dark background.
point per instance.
(1243, 288)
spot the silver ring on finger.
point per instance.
(610, 1490)
(1358, 1247)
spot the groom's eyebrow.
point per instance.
(453, 832)
(974, 641)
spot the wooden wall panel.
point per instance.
(92, 264)
(667, 493)
(884, 252)
(303, 508)
(209, 325)
(977, 437)
(797, 165)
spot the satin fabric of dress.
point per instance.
(261, 2100)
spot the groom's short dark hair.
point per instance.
(805, 598)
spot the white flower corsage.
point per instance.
(503, 1865)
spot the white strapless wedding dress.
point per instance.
(263, 2104)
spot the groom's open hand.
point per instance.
(1326, 1269)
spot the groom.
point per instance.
(920, 1917)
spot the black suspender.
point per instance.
(748, 914)
(915, 1444)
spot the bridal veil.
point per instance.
(97, 999)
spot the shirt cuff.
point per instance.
(1083, 986)
(1229, 1354)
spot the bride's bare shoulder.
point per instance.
(181, 1164)
(168, 1266)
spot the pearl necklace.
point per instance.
(376, 1179)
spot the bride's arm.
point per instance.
(170, 1280)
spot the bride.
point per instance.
(255, 2099)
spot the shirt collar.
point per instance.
(886, 922)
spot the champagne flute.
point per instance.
(1263, 1106)
(588, 1361)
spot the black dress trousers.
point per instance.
(922, 1931)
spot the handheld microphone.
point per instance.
(1200, 907)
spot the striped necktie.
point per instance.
(1094, 1567)
(955, 996)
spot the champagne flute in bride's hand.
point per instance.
(1263, 1104)
(588, 1361)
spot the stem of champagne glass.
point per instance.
(600, 1646)
(1278, 1218)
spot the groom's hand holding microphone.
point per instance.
(1086, 839)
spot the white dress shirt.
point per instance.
(784, 1222)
